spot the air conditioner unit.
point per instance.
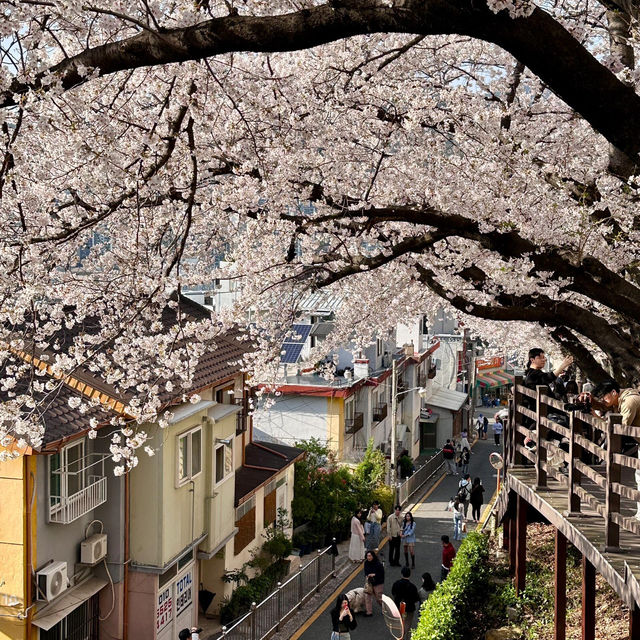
(93, 549)
(52, 580)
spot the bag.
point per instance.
(368, 587)
(464, 527)
(450, 505)
(367, 528)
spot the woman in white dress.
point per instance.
(356, 544)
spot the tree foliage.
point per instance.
(483, 153)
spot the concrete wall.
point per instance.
(296, 417)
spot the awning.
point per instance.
(489, 380)
(446, 398)
(61, 607)
(503, 375)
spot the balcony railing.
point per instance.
(380, 412)
(353, 425)
(81, 487)
(70, 508)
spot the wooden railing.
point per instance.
(585, 455)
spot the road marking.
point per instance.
(354, 573)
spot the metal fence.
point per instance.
(265, 618)
(407, 488)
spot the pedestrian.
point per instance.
(464, 492)
(374, 518)
(448, 554)
(464, 439)
(356, 544)
(394, 529)
(409, 538)
(485, 427)
(465, 457)
(404, 590)
(190, 634)
(479, 425)
(449, 454)
(374, 575)
(458, 518)
(428, 585)
(342, 619)
(497, 430)
(476, 499)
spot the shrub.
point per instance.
(449, 612)
(372, 470)
(384, 495)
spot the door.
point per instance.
(428, 436)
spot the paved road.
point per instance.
(432, 521)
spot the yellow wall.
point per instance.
(13, 574)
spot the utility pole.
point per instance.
(394, 394)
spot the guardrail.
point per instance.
(265, 618)
(581, 451)
(407, 488)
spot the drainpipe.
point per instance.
(125, 595)
(29, 497)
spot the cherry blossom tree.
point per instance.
(397, 153)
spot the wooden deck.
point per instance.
(585, 530)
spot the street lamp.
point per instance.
(422, 392)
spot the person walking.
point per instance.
(497, 430)
(465, 457)
(479, 425)
(449, 454)
(342, 619)
(404, 590)
(448, 555)
(356, 544)
(464, 439)
(485, 427)
(458, 518)
(464, 492)
(374, 574)
(409, 538)
(394, 531)
(476, 499)
(428, 585)
(374, 518)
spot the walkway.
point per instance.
(432, 521)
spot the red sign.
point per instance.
(490, 363)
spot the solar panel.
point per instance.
(290, 352)
(301, 333)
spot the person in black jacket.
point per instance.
(374, 574)
(535, 376)
(342, 619)
(404, 590)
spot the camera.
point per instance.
(585, 406)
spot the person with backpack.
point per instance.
(449, 455)
(404, 590)
(464, 492)
(465, 457)
(476, 499)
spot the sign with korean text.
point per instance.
(490, 363)
(184, 592)
(164, 609)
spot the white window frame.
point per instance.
(189, 475)
(64, 473)
(351, 404)
(227, 474)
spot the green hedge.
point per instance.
(449, 612)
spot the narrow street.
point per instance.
(432, 521)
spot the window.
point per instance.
(66, 474)
(379, 347)
(246, 523)
(349, 409)
(225, 395)
(189, 455)
(81, 623)
(270, 513)
(223, 461)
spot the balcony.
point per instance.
(241, 422)
(74, 491)
(380, 412)
(353, 425)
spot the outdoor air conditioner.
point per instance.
(52, 580)
(93, 549)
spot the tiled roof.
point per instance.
(272, 457)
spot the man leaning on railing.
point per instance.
(607, 397)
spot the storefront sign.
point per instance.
(184, 592)
(490, 363)
(164, 610)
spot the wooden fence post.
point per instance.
(575, 453)
(521, 544)
(560, 584)
(517, 458)
(612, 497)
(541, 430)
(588, 600)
